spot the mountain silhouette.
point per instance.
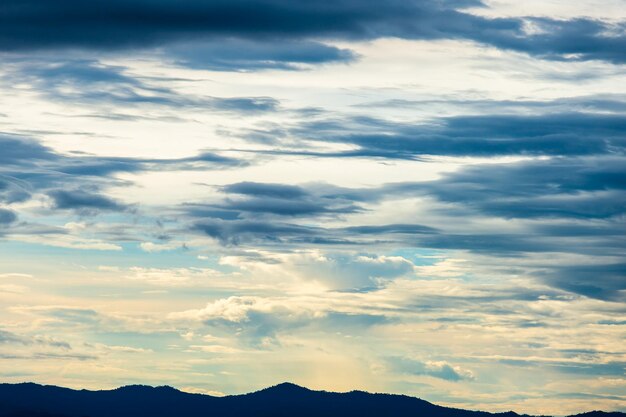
(283, 400)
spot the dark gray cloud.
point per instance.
(19, 150)
(89, 81)
(12, 191)
(243, 231)
(273, 233)
(25, 160)
(560, 134)
(84, 201)
(606, 103)
(249, 55)
(584, 188)
(95, 166)
(7, 216)
(280, 234)
(576, 39)
(283, 207)
(256, 189)
(580, 368)
(267, 213)
(601, 281)
(250, 199)
(244, 104)
(566, 188)
(114, 24)
(38, 24)
(385, 229)
(229, 229)
(497, 244)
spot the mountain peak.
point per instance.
(285, 387)
(147, 389)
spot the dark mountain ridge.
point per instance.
(284, 400)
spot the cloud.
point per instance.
(9, 338)
(276, 214)
(497, 244)
(271, 232)
(256, 189)
(576, 39)
(351, 272)
(585, 188)
(283, 207)
(571, 190)
(343, 271)
(249, 200)
(28, 167)
(84, 202)
(151, 247)
(7, 216)
(562, 206)
(386, 229)
(236, 232)
(90, 81)
(70, 315)
(552, 134)
(49, 356)
(36, 180)
(112, 25)
(600, 281)
(606, 103)
(612, 368)
(436, 369)
(96, 166)
(12, 191)
(19, 150)
(171, 277)
(261, 321)
(233, 54)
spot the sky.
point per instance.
(407, 196)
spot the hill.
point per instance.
(284, 400)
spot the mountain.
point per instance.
(284, 400)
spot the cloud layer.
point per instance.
(416, 197)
